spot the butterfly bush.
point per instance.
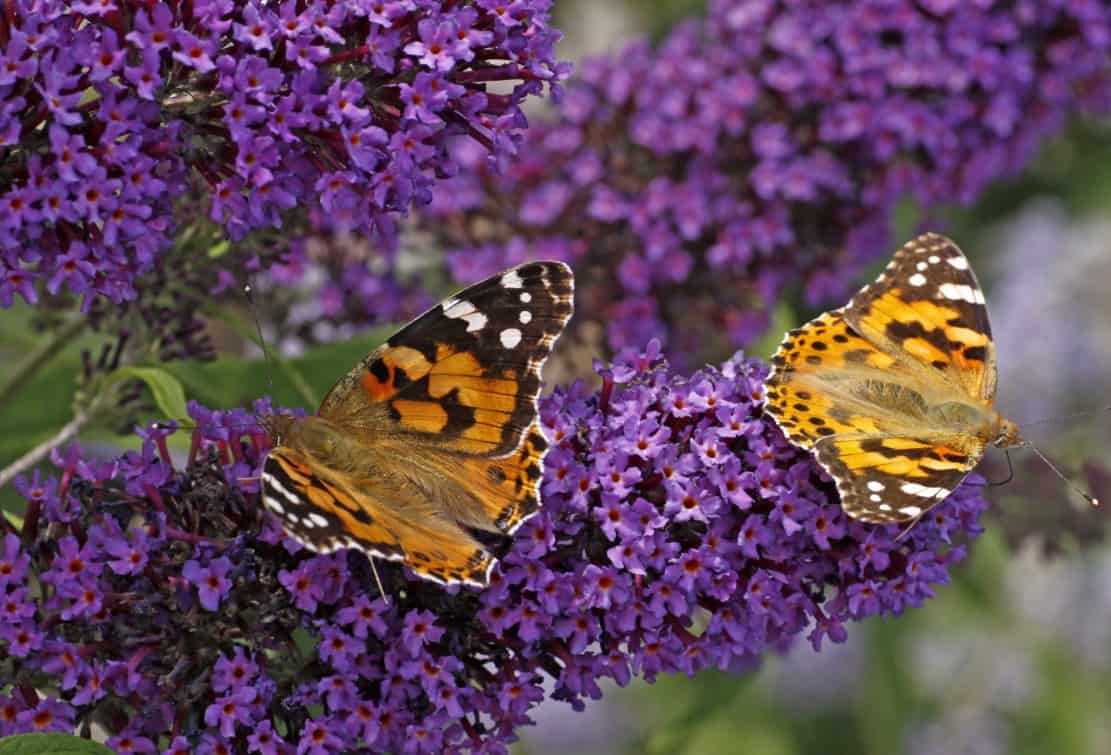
(679, 531)
(115, 114)
(764, 147)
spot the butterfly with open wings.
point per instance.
(433, 434)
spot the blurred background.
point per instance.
(1013, 657)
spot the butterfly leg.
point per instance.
(1010, 471)
(910, 525)
(377, 580)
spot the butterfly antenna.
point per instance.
(1074, 415)
(1083, 494)
(378, 580)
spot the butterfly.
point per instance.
(432, 435)
(894, 392)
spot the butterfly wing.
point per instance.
(455, 392)
(928, 306)
(326, 510)
(466, 373)
(856, 385)
(888, 479)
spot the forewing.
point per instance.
(891, 479)
(814, 388)
(327, 511)
(927, 305)
(466, 374)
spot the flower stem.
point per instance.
(27, 369)
(41, 451)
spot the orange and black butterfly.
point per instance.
(433, 434)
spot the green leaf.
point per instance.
(227, 383)
(50, 744)
(168, 393)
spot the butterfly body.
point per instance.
(894, 392)
(433, 434)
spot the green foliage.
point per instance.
(50, 744)
(169, 396)
(228, 383)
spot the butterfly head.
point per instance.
(1005, 433)
(277, 426)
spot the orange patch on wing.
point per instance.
(894, 305)
(487, 428)
(506, 488)
(924, 350)
(966, 336)
(461, 372)
(456, 363)
(301, 473)
(854, 457)
(397, 358)
(941, 465)
(797, 391)
(425, 416)
(903, 444)
(447, 559)
(319, 497)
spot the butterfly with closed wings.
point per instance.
(894, 392)
(433, 434)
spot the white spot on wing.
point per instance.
(910, 510)
(525, 317)
(464, 310)
(272, 483)
(875, 486)
(961, 292)
(917, 279)
(512, 280)
(960, 263)
(317, 520)
(526, 297)
(921, 266)
(510, 337)
(922, 491)
(875, 498)
(934, 259)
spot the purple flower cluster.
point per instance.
(680, 531)
(328, 287)
(111, 113)
(766, 146)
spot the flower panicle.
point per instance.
(122, 120)
(679, 531)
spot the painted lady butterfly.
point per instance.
(894, 391)
(435, 432)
